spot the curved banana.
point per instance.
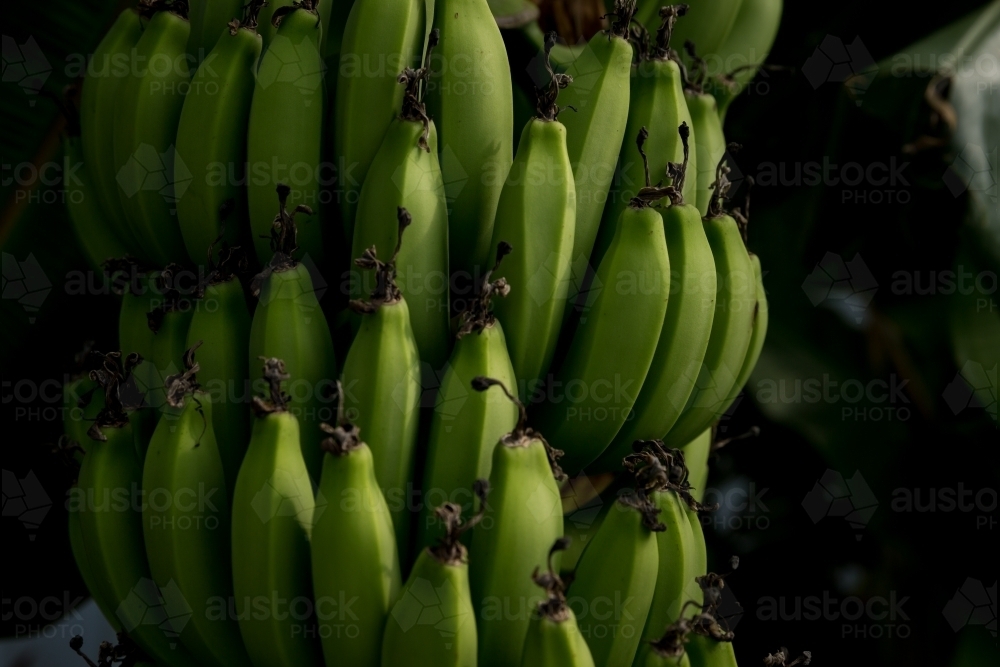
(732, 326)
(656, 102)
(594, 132)
(405, 173)
(288, 324)
(98, 99)
(710, 142)
(186, 519)
(696, 455)
(470, 95)
(208, 17)
(274, 512)
(111, 526)
(331, 20)
(382, 39)
(525, 519)
(355, 562)
(88, 572)
(746, 48)
(466, 426)
(284, 134)
(697, 557)
(433, 622)
(553, 636)
(90, 223)
(708, 25)
(212, 135)
(146, 113)
(611, 351)
(686, 327)
(381, 380)
(537, 214)
(618, 565)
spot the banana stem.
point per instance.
(547, 97)
(277, 400)
(450, 550)
(115, 378)
(386, 291)
(554, 607)
(479, 314)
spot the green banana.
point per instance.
(88, 571)
(683, 340)
(289, 324)
(668, 649)
(328, 20)
(708, 25)
(611, 351)
(708, 652)
(697, 557)
(284, 133)
(382, 39)
(89, 221)
(106, 72)
(381, 379)
(657, 657)
(147, 110)
(525, 513)
(746, 47)
(594, 132)
(355, 562)
(212, 135)
(186, 518)
(139, 297)
(111, 525)
(207, 20)
(710, 142)
(732, 326)
(465, 427)
(221, 321)
(656, 103)
(696, 455)
(553, 636)
(169, 320)
(537, 214)
(470, 95)
(82, 402)
(433, 622)
(274, 512)
(408, 159)
(615, 573)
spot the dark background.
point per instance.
(922, 556)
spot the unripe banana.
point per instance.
(207, 20)
(189, 542)
(405, 173)
(381, 379)
(433, 623)
(612, 349)
(553, 636)
(686, 327)
(537, 214)
(525, 512)
(707, 652)
(112, 535)
(329, 19)
(284, 135)
(710, 142)
(667, 650)
(354, 554)
(88, 570)
(656, 658)
(274, 512)
(466, 426)
(288, 324)
(82, 402)
(697, 558)
(708, 25)
(212, 134)
(90, 223)
(696, 455)
(98, 99)
(747, 47)
(732, 326)
(169, 320)
(656, 103)
(382, 39)
(470, 95)
(146, 112)
(619, 564)
(135, 337)
(594, 132)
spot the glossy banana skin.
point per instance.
(284, 136)
(98, 99)
(757, 336)
(471, 99)
(706, 652)
(536, 215)
(708, 23)
(656, 103)
(354, 561)
(618, 565)
(88, 572)
(696, 455)
(273, 515)
(212, 135)
(683, 338)
(112, 538)
(555, 643)
(208, 19)
(445, 639)
(380, 39)
(288, 324)
(611, 351)
(90, 223)
(710, 144)
(697, 557)
(731, 331)
(466, 425)
(222, 322)
(749, 43)
(188, 540)
(147, 111)
(600, 93)
(403, 174)
(526, 513)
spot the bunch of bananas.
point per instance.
(264, 483)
